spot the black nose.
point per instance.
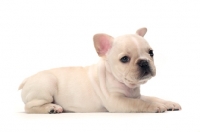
(143, 64)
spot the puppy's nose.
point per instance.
(143, 64)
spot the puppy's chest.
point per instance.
(131, 93)
(128, 92)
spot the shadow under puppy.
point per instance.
(113, 84)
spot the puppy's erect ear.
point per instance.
(141, 31)
(102, 43)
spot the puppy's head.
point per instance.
(129, 58)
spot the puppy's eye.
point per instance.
(125, 59)
(151, 53)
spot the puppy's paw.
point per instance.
(53, 109)
(172, 106)
(156, 108)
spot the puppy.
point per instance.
(111, 85)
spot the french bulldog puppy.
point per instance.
(111, 85)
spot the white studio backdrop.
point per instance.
(40, 34)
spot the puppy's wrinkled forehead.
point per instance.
(131, 44)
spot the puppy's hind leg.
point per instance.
(42, 107)
(38, 94)
(40, 101)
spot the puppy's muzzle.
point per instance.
(144, 68)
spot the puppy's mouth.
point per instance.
(132, 84)
(145, 74)
(129, 81)
(141, 79)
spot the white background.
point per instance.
(41, 34)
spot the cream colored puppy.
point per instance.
(113, 84)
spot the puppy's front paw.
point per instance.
(53, 109)
(172, 106)
(156, 108)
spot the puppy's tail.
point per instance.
(22, 84)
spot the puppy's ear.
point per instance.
(102, 43)
(141, 31)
